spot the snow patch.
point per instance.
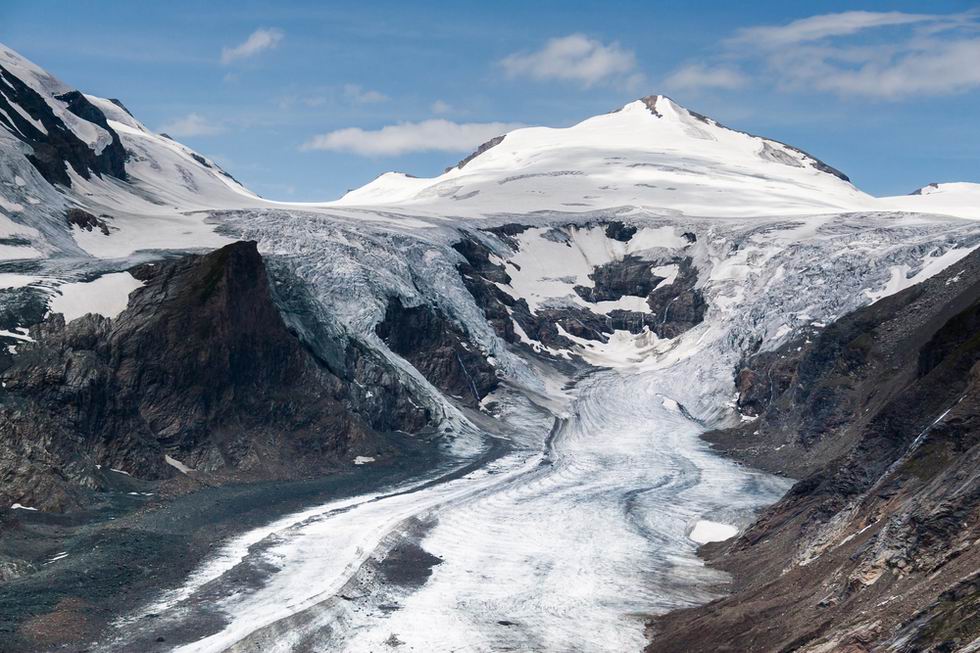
(108, 296)
(705, 531)
(14, 334)
(931, 266)
(550, 262)
(176, 464)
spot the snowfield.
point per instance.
(107, 295)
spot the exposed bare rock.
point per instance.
(84, 220)
(56, 147)
(620, 231)
(874, 548)
(675, 307)
(629, 276)
(493, 142)
(200, 367)
(439, 349)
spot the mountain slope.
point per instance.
(961, 199)
(652, 153)
(198, 372)
(874, 549)
(60, 148)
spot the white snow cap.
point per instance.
(651, 153)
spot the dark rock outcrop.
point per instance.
(493, 142)
(439, 349)
(675, 307)
(84, 220)
(56, 146)
(873, 549)
(629, 276)
(616, 230)
(200, 367)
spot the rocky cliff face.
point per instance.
(439, 349)
(199, 369)
(53, 146)
(675, 305)
(874, 548)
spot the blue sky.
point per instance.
(303, 100)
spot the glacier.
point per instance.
(570, 507)
(574, 519)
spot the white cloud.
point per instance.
(575, 58)
(440, 107)
(191, 125)
(695, 76)
(921, 55)
(943, 68)
(359, 95)
(826, 25)
(426, 136)
(258, 41)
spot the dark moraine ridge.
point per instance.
(874, 549)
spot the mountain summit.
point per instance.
(650, 153)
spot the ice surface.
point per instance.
(582, 527)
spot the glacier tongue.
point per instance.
(572, 522)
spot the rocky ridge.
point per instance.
(873, 549)
(200, 371)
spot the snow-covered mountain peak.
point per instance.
(63, 150)
(651, 154)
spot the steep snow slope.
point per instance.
(149, 205)
(651, 153)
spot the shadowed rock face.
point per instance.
(438, 349)
(630, 276)
(85, 220)
(57, 147)
(874, 548)
(200, 367)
